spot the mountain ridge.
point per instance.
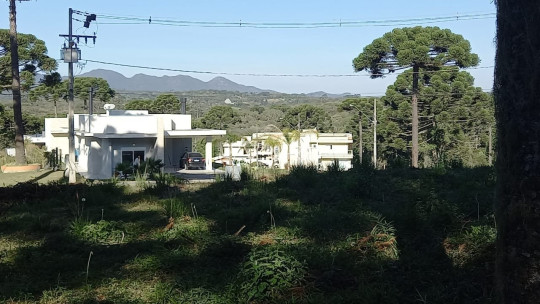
(179, 83)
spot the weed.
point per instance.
(175, 207)
(268, 274)
(101, 232)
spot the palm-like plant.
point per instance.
(288, 137)
(272, 142)
(230, 139)
(247, 145)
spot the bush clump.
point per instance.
(269, 274)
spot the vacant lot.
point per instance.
(395, 236)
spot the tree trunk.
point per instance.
(414, 131)
(20, 157)
(517, 99)
(360, 148)
(490, 145)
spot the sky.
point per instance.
(243, 41)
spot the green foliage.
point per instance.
(101, 232)
(455, 118)
(50, 89)
(424, 49)
(82, 86)
(151, 166)
(307, 117)
(124, 169)
(268, 274)
(175, 208)
(220, 117)
(138, 104)
(359, 236)
(35, 154)
(32, 125)
(165, 104)
(428, 47)
(32, 58)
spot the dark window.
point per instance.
(127, 157)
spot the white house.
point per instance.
(104, 140)
(313, 148)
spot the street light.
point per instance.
(71, 54)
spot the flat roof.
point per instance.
(194, 132)
(114, 135)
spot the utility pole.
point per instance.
(375, 133)
(91, 101)
(71, 54)
(90, 108)
(20, 157)
(71, 107)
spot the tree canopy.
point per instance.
(419, 48)
(166, 104)
(163, 104)
(51, 88)
(219, 117)
(305, 117)
(102, 90)
(454, 119)
(32, 59)
(425, 47)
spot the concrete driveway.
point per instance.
(196, 176)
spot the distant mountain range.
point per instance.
(178, 83)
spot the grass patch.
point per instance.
(359, 236)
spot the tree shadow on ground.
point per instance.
(394, 236)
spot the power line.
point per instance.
(130, 20)
(256, 74)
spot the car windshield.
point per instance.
(194, 155)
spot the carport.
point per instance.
(179, 141)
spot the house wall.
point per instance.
(108, 153)
(117, 124)
(145, 144)
(318, 149)
(99, 153)
(56, 131)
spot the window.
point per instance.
(129, 155)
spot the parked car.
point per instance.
(192, 160)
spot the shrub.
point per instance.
(268, 274)
(151, 166)
(34, 154)
(102, 232)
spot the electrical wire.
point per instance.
(130, 20)
(256, 74)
